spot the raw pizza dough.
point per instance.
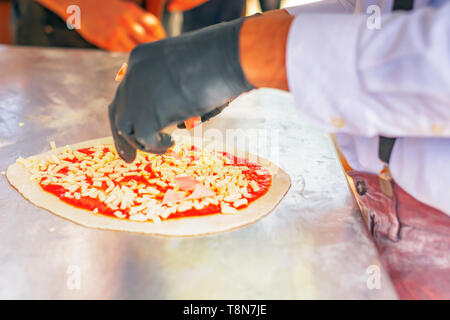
(19, 178)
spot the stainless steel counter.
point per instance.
(313, 245)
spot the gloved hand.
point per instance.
(172, 80)
(207, 116)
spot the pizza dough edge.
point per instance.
(18, 177)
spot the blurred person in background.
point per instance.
(113, 25)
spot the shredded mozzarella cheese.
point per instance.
(99, 173)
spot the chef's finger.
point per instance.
(153, 26)
(127, 44)
(124, 41)
(136, 30)
(138, 33)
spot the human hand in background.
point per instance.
(183, 5)
(112, 25)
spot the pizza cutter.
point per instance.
(190, 123)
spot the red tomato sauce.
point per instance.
(84, 202)
(263, 180)
(211, 209)
(86, 151)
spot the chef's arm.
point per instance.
(262, 46)
(268, 35)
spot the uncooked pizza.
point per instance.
(186, 191)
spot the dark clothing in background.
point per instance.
(215, 11)
(212, 12)
(267, 5)
(34, 25)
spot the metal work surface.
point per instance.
(313, 245)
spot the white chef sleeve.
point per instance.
(393, 81)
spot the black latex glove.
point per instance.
(172, 80)
(205, 117)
